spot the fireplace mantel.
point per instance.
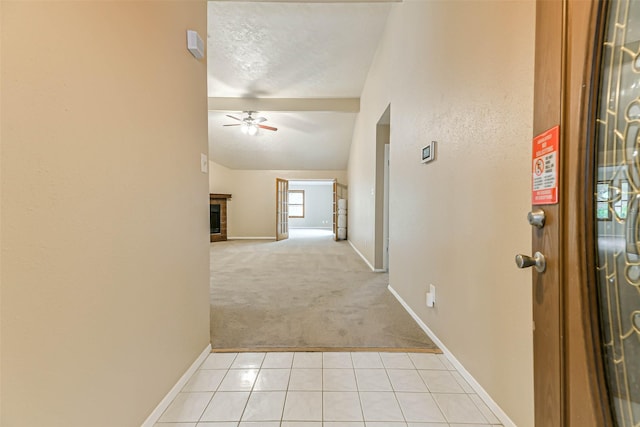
(221, 200)
(216, 196)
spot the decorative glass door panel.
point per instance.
(282, 209)
(617, 203)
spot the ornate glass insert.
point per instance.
(617, 202)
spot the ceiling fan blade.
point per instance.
(267, 127)
(233, 124)
(234, 118)
(259, 120)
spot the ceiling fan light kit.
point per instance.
(250, 129)
(249, 124)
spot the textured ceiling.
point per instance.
(304, 140)
(292, 51)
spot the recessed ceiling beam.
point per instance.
(345, 105)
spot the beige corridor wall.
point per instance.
(459, 73)
(103, 208)
(1, 133)
(251, 212)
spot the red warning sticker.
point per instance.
(544, 167)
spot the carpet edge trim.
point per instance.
(482, 393)
(155, 415)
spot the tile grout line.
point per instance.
(322, 387)
(474, 404)
(286, 397)
(395, 396)
(217, 387)
(353, 368)
(480, 410)
(286, 392)
(252, 388)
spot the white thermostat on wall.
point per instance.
(429, 152)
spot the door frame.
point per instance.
(569, 378)
(381, 236)
(385, 207)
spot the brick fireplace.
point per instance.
(218, 216)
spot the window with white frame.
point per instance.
(296, 203)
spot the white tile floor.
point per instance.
(327, 390)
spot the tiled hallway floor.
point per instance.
(361, 389)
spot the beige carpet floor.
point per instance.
(304, 293)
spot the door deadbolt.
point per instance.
(537, 261)
(536, 218)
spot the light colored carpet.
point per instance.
(302, 293)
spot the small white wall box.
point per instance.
(429, 152)
(431, 296)
(195, 44)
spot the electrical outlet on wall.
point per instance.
(431, 296)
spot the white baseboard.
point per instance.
(310, 228)
(375, 270)
(251, 238)
(482, 393)
(164, 403)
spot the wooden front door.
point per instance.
(282, 209)
(547, 294)
(586, 303)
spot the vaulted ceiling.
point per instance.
(302, 66)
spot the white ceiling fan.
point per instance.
(249, 124)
